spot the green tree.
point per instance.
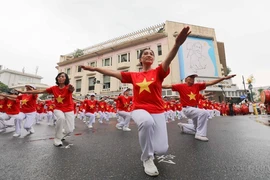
(78, 53)
(43, 96)
(3, 87)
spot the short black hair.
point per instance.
(66, 81)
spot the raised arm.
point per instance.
(210, 83)
(180, 39)
(37, 91)
(9, 96)
(166, 86)
(108, 72)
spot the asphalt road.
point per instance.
(238, 148)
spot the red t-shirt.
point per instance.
(102, 106)
(179, 106)
(28, 102)
(13, 107)
(90, 106)
(2, 105)
(124, 103)
(189, 94)
(40, 108)
(147, 88)
(50, 105)
(63, 98)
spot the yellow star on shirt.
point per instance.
(59, 99)
(144, 86)
(192, 96)
(92, 107)
(24, 101)
(9, 106)
(126, 105)
(1, 106)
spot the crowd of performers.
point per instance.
(146, 107)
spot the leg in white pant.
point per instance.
(200, 118)
(126, 118)
(153, 137)
(29, 120)
(63, 120)
(91, 118)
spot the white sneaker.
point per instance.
(150, 167)
(90, 126)
(126, 129)
(201, 138)
(32, 131)
(57, 142)
(3, 130)
(16, 135)
(118, 127)
(180, 125)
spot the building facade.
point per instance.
(17, 79)
(201, 54)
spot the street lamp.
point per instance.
(250, 87)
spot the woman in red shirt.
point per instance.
(148, 110)
(64, 108)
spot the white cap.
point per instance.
(30, 85)
(126, 89)
(92, 94)
(191, 74)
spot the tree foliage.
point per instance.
(78, 53)
(3, 87)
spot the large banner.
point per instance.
(197, 55)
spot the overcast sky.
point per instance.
(34, 33)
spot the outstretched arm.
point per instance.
(9, 96)
(210, 83)
(166, 86)
(180, 39)
(108, 72)
(37, 91)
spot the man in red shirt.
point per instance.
(12, 111)
(189, 93)
(124, 102)
(90, 109)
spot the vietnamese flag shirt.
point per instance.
(63, 98)
(189, 94)
(124, 103)
(2, 105)
(13, 107)
(28, 102)
(147, 89)
(90, 106)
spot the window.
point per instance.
(106, 82)
(159, 48)
(107, 62)
(232, 93)
(124, 58)
(68, 71)
(169, 92)
(229, 93)
(140, 69)
(79, 69)
(78, 85)
(91, 84)
(93, 64)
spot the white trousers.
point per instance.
(199, 117)
(92, 118)
(64, 120)
(29, 120)
(153, 137)
(126, 118)
(18, 118)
